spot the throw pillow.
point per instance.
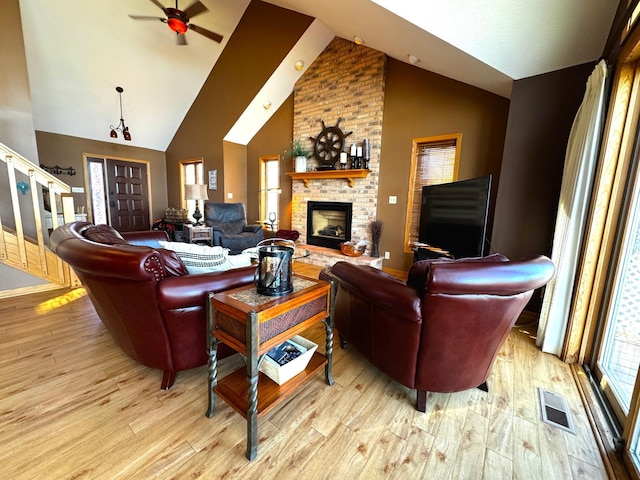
(288, 234)
(199, 258)
(104, 234)
(239, 261)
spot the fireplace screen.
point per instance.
(328, 223)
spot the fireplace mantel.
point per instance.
(349, 175)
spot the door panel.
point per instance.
(128, 195)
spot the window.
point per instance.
(631, 21)
(614, 355)
(270, 189)
(191, 172)
(433, 160)
(97, 191)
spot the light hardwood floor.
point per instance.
(73, 406)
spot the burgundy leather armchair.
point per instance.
(152, 307)
(442, 330)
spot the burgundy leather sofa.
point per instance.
(442, 330)
(154, 309)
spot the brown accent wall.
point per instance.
(16, 130)
(67, 151)
(235, 172)
(540, 117)
(263, 37)
(16, 118)
(272, 139)
(418, 104)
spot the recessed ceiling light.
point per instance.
(413, 59)
(358, 40)
(299, 64)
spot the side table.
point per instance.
(253, 324)
(200, 233)
(174, 229)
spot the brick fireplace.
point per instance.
(345, 82)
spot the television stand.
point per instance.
(427, 253)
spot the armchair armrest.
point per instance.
(128, 262)
(252, 228)
(192, 290)
(216, 226)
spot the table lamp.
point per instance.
(197, 193)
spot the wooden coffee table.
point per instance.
(253, 324)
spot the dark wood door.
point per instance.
(128, 195)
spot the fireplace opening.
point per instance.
(328, 223)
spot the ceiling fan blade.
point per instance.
(146, 17)
(194, 9)
(216, 37)
(159, 5)
(181, 39)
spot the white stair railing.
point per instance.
(16, 248)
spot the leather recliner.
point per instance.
(441, 330)
(154, 309)
(230, 229)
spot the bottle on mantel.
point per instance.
(366, 154)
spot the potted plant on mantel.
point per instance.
(300, 153)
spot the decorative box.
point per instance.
(176, 214)
(282, 373)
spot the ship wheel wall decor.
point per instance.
(329, 143)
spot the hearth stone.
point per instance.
(327, 257)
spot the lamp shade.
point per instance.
(195, 192)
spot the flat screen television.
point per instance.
(453, 216)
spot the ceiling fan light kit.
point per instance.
(175, 21)
(121, 126)
(179, 20)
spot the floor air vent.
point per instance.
(555, 411)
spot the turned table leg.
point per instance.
(328, 368)
(212, 348)
(252, 380)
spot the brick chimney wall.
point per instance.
(345, 82)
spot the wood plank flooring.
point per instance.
(73, 406)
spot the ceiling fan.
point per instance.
(178, 20)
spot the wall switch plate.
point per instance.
(387, 255)
(229, 195)
(77, 189)
(393, 199)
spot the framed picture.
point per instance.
(213, 179)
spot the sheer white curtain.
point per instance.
(577, 180)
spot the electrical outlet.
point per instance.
(393, 199)
(387, 255)
(229, 195)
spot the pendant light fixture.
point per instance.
(121, 126)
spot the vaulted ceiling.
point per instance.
(79, 51)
